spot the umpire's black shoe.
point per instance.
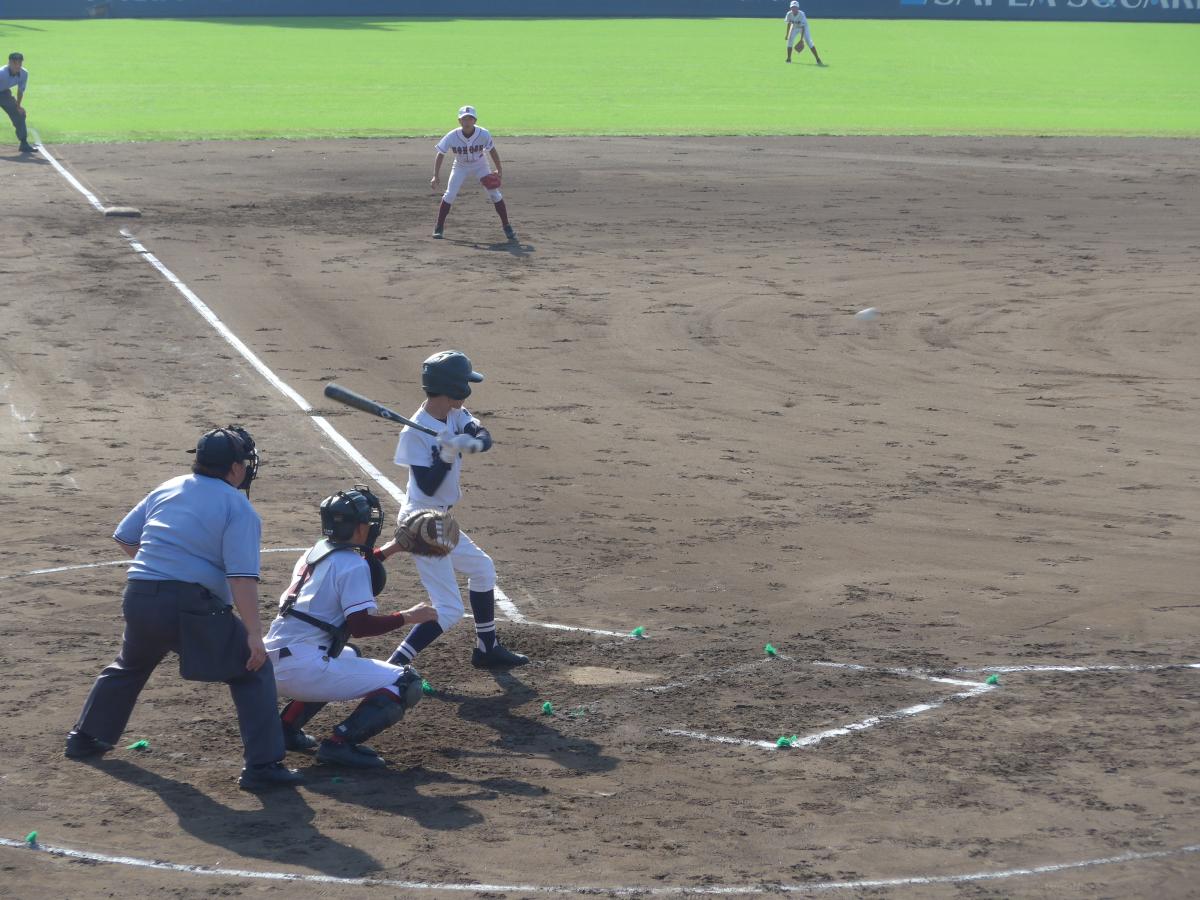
(298, 740)
(27, 148)
(271, 775)
(81, 745)
(356, 756)
(499, 657)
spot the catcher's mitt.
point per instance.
(427, 532)
(491, 181)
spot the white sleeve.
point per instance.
(443, 146)
(354, 588)
(415, 448)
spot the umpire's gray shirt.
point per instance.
(9, 80)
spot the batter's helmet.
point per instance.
(449, 373)
(220, 448)
(346, 510)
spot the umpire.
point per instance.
(12, 76)
(194, 541)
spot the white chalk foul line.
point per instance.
(1013, 669)
(71, 179)
(116, 562)
(657, 891)
(975, 689)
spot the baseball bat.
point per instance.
(358, 401)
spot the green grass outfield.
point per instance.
(118, 80)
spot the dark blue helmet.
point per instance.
(449, 373)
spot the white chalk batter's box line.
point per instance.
(811, 887)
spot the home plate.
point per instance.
(129, 212)
(596, 675)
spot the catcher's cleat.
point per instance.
(510, 232)
(499, 657)
(81, 745)
(298, 740)
(259, 778)
(437, 233)
(355, 756)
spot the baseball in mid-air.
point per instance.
(870, 314)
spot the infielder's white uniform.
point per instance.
(797, 28)
(340, 585)
(470, 161)
(415, 448)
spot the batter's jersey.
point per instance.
(415, 448)
(196, 529)
(466, 150)
(339, 586)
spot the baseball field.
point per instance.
(966, 528)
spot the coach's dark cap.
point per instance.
(20, 57)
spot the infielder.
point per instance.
(330, 599)
(14, 75)
(797, 32)
(434, 465)
(469, 143)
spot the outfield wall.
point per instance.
(1036, 10)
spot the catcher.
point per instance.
(469, 143)
(434, 464)
(332, 598)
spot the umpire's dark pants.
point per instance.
(9, 104)
(151, 631)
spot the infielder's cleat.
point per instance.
(343, 753)
(81, 745)
(298, 740)
(510, 232)
(272, 775)
(437, 233)
(499, 657)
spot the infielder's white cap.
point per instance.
(795, 4)
(468, 111)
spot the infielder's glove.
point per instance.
(427, 532)
(491, 181)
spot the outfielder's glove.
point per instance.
(427, 532)
(491, 181)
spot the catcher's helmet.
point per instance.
(449, 373)
(222, 447)
(344, 511)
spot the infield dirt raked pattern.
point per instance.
(694, 435)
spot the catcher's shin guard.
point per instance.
(294, 717)
(381, 710)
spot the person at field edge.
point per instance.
(194, 542)
(797, 32)
(468, 143)
(16, 75)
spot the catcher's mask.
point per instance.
(343, 512)
(222, 447)
(449, 373)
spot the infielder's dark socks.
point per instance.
(502, 212)
(418, 639)
(483, 608)
(443, 211)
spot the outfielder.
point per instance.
(797, 32)
(434, 465)
(330, 599)
(469, 143)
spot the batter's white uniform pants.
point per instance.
(460, 172)
(439, 574)
(309, 675)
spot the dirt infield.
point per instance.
(694, 435)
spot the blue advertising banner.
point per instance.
(1032, 10)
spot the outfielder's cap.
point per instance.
(468, 111)
(795, 4)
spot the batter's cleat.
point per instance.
(510, 233)
(298, 740)
(343, 753)
(437, 233)
(499, 657)
(271, 775)
(81, 745)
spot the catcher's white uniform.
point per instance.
(339, 585)
(470, 161)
